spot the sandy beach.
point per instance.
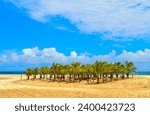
(12, 87)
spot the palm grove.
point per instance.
(99, 72)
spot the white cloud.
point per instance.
(53, 55)
(14, 57)
(139, 56)
(125, 19)
(73, 54)
(3, 58)
(49, 55)
(31, 52)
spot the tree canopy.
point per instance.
(99, 71)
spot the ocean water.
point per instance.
(22, 72)
(12, 72)
(143, 73)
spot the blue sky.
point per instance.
(36, 33)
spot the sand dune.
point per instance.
(12, 86)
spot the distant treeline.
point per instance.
(99, 71)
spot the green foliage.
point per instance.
(35, 71)
(29, 72)
(97, 69)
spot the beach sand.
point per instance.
(12, 87)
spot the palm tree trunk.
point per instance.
(79, 77)
(74, 77)
(127, 75)
(63, 77)
(69, 77)
(116, 76)
(28, 77)
(88, 78)
(54, 77)
(111, 77)
(103, 78)
(122, 76)
(98, 79)
(50, 77)
(34, 77)
(40, 76)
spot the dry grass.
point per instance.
(128, 88)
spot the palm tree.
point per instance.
(129, 68)
(46, 71)
(88, 69)
(75, 69)
(82, 73)
(35, 72)
(29, 73)
(50, 71)
(60, 72)
(63, 72)
(122, 70)
(43, 72)
(104, 70)
(40, 72)
(69, 71)
(109, 69)
(98, 70)
(117, 69)
(55, 69)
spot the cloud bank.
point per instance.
(113, 19)
(35, 56)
